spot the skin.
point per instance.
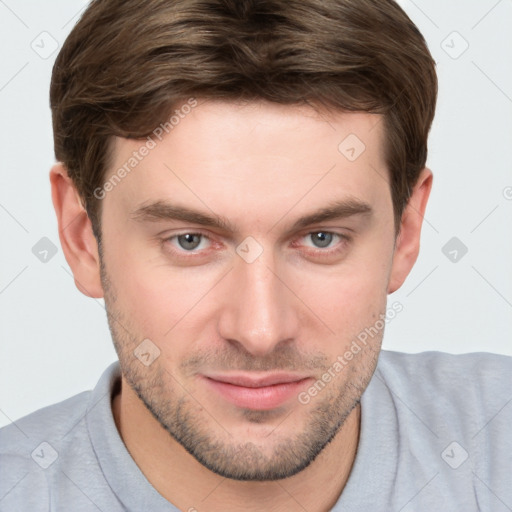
(296, 307)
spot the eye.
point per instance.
(188, 241)
(322, 239)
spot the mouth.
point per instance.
(257, 391)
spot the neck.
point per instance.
(188, 485)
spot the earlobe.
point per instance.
(75, 232)
(408, 241)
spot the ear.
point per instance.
(407, 245)
(75, 233)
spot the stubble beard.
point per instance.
(204, 437)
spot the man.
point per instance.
(244, 182)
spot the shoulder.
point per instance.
(58, 422)
(30, 446)
(49, 423)
(476, 384)
(450, 417)
(468, 396)
(445, 400)
(437, 368)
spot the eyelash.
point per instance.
(343, 240)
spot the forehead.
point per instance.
(223, 155)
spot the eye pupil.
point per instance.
(189, 241)
(322, 239)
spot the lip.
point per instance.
(257, 392)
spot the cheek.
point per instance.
(143, 297)
(348, 304)
(160, 301)
(351, 297)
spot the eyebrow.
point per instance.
(163, 210)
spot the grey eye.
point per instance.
(189, 241)
(321, 239)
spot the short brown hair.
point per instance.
(127, 63)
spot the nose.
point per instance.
(259, 309)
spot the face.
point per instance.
(249, 253)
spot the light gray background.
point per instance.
(55, 342)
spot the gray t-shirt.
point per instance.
(436, 435)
